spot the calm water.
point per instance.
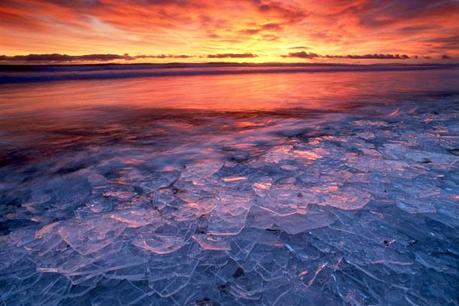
(278, 188)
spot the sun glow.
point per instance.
(230, 31)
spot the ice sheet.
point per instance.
(357, 208)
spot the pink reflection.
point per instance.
(248, 92)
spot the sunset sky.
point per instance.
(237, 30)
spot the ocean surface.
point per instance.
(229, 185)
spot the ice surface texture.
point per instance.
(356, 208)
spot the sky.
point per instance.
(357, 31)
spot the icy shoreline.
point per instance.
(356, 207)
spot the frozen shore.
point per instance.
(336, 188)
(358, 207)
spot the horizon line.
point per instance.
(237, 57)
(228, 63)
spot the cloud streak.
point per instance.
(232, 55)
(371, 56)
(311, 55)
(62, 58)
(302, 54)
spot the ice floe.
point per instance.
(356, 208)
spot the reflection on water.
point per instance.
(251, 92)
(286, 189)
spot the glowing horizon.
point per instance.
(232, 31)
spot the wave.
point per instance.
(43, 73)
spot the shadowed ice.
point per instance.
(109, 205)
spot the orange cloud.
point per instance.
(199, 28)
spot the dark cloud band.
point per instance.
(85, 58)
(232, 55)
(311, 55)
